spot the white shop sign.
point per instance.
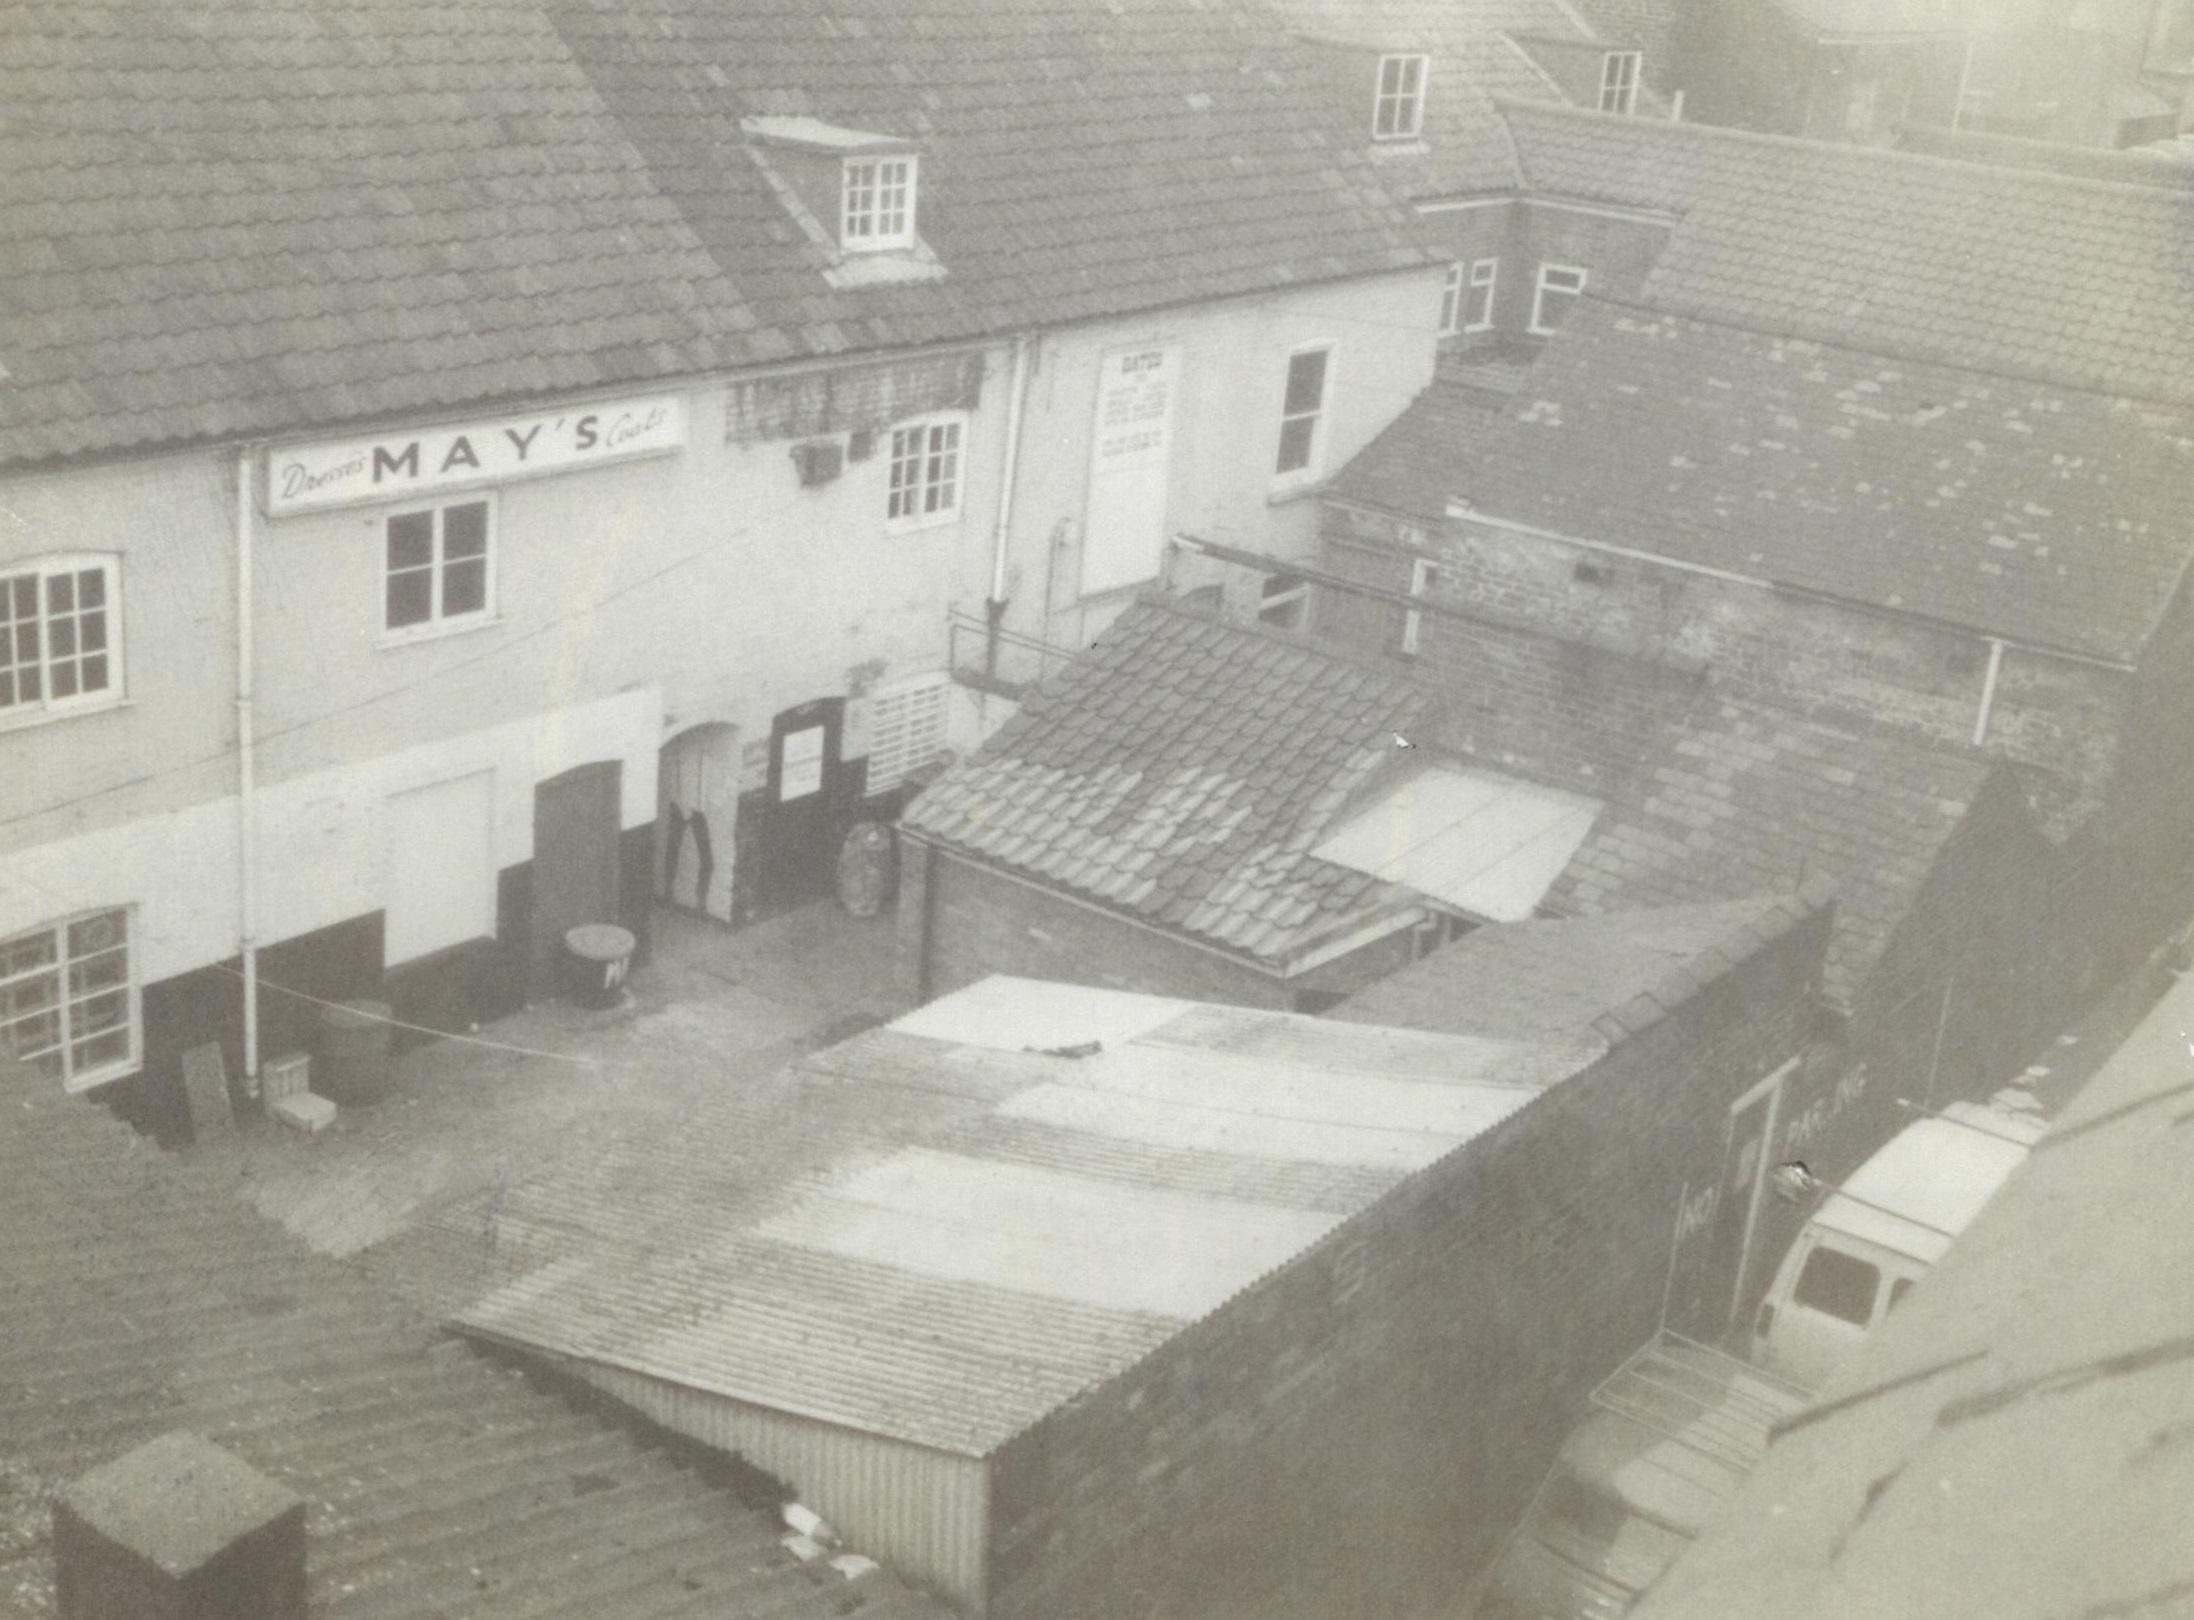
(392, 466)
(1124, 532)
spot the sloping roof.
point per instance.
(143, 1297)
(1531, 979)
(270, 215)
(2037, 512)
(998, 1227)
(1182, 770)
(1738, 798)
(2014, 271)
(2169, 166)
(1480, 50)
(2012, 1442)
(1708, 796)
(1416, 462)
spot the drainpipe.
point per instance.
(994, 608)
(246, 772)
(1988, 692)
(1965, 80)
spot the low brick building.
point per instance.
(1081, 1303)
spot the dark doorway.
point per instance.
(575, 859)
(790, 828)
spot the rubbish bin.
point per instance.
(596, 957)
(354, 1052)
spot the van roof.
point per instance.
(1928, 1181)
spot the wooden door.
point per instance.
(575, 827)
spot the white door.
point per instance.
(441, 873)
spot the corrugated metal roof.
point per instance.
(1488, 844)
(1005, 1228)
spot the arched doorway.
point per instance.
(697, 809)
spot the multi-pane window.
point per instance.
(925, 473)
(1399, 111)
(1619, 81)
(438, 567)
(68, 1002)
(1283, 600)
(1300, 408)
(59, 634)
(1451, 301)
(1478, 298)
(1560, 285)
(878, 208)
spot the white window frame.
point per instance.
(1539, 328)
(1451, 299)
(1398, 113)
(894, 756)
(65, 1006)
(1294, 592)
(1314, 452)
(867, 221)
(1485, 276)
(41, 570)
(1422, 572)
(438, 623)
(1620, 72)
(917, 442)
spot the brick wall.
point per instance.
(971, 922)
(1803, 653)
(1354, 1434)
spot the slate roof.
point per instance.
(2037, 512)
(2014, 271)
(2171, 167)
(1182, 770)
(1533, 979)
(144, 1297)
(263, 216)
(1708, 796)
(954, 1232)
(1480, 50)
(2012, 1442)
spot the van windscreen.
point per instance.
(1838, 1284)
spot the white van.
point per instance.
(1876, 1235)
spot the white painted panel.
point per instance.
(800, 768)
(441, 867)
(1124, 528)
(1169, 1126)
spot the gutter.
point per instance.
(247, 812)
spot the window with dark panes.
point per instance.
(1839, 1285)
(1300, 409)
(925, 474)
(438, 566)
(58, 634)
(1399, 110)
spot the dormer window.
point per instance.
(1619, 81)
(1398, 114)
(877, 214)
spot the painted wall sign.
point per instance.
(1124, 531)
(393, 466)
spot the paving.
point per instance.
(415, 1185)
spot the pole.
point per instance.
(246, 772)
(1942, 1023)
(1675, 1243)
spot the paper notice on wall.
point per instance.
(1124, 531)
(801, 770)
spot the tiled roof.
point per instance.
(1708, 797)
(948, 1232)
(1416, 463)
(1532, 979)
(1182, 770)
(2171, 167)
(2027, 510)
(2014, 271)
(264, 216)
(143, 1297)
(1480, 50)
(2012, 1442)
(1738, 799)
